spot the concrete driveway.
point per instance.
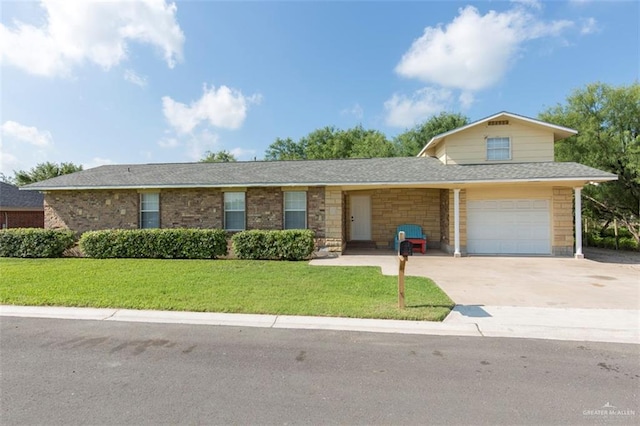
(602, 280)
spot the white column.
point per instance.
(578, 221)
(456, 222)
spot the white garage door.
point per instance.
(508, 227)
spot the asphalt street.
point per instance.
(97, 372)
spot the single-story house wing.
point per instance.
(490, 187)
(20, 209)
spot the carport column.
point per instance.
(456, 222)
(578, 221)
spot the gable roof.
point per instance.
(344, 172)
(12, 198)
(559, 132)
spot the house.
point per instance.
(490, 187)
(20, 209)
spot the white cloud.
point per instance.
(466, 99)
(8, 162)
(356, 111)
(27, 134)
(402, 111)
(132, 77)
(589, 26)
(224, 108)
(95, 162)
(74, 32)
(474, 51)
(168, 142)
(243, 154)
(200, 143)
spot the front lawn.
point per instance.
(239, 286)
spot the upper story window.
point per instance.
(149, 210)
(234, 211)
(295, 210)
(498, 149)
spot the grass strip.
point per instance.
(234, 286)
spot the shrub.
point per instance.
(35, 242)
(627, 244)
(295, 244)
(155, 243)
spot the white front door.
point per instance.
(520, 226)
(360, 210)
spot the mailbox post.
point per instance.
(405, 249)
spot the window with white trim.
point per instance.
(234, 211)
(498, 149)
(149, 210)
(295, 210)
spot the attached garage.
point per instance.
(509, 226)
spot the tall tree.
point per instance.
(44, 171)
(608, 119)
(329, 143)
(409, 143)
(218, 157)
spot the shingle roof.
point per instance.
(12, 197)
(371, 171)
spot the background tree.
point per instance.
(608, 119)
(218, 157)
(44, 171)
(409, 143)
(330, 143)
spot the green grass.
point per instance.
(259, 287)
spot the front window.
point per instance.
(149, 210)
(295, 210)
(498, 149)
(234, 211)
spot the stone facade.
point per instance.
(191, 208)
(83, 211)
(562, 219)
(264, 208)
(444, 218)
(334, 220)
(396, 206)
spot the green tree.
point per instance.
(608, 119)
(44, 171)
(218, 157)
(330, 143)
(284, 149)
(409, 143)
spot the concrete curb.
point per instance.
(458, 323)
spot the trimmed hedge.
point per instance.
(294, 244)
(35, 242)
(155, 243)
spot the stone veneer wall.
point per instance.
(444, 218)
(334, 224)
(191, 208)
(83, 211)
(562, 217)
(450, 248)
(397, 206)
(264, 208)
(316, 211)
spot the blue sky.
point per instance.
(154, 81)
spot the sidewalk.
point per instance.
(593, 325)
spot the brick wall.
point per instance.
(191, 208)
(264, 208)
(563, 227)
(83, 211)
(21, 219)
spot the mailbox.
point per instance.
(405, 248)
